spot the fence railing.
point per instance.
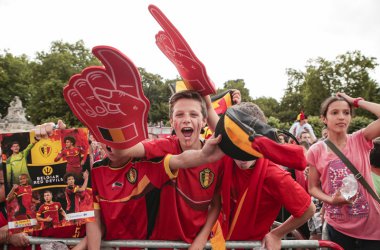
(176, 245)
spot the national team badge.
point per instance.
(132, 175)
(206, 177)
(45, 150)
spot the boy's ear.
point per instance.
(171, 122)
(204, 122)
(323, 119)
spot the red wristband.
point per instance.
(356, 102)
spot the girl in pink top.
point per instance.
(352, 223)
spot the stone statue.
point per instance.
(15, 120)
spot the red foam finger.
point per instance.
(188, 65)
(85, 90)
(114, 93)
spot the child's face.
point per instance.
(70, 181)
(68, 144)
(23, 179)
(15, 148)
(306, 137)
(338, 117)
(2, 187)
(48, 197)
(245, 164)
(187, 121)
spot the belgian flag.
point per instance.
(222, 101)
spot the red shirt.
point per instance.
(3, 220)
(72, 156)
(51, 210)
(184, 201)
(266, 192)
(78, 201)
(123, 196)
(24, 197)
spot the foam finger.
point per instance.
(121, 70)
(77, 103)
(88, 99)
(170, 29)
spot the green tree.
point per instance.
(15, 77)
(307, 89)
(291, 102)
(240, 85)
(51, 72)
(158, 93)
(353, 71)
(268, 105)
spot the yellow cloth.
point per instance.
(217, 239)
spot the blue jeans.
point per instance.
(350, 243)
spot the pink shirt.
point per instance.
(362, 218)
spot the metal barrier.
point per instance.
(175, 244)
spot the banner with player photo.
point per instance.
(47, 181)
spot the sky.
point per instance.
(242, 39)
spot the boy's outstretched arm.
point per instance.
(272, 240)
(194, 158)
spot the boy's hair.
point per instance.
(374, 156)
(15, 142)
(251, 109)
(48, 191)
(69, 174)
(23, 175)
(187, 94)
(70, 138)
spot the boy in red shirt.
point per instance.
(76, 195)
(190, 204)
(25, 200)
(48, 213)
(73, 155)
(254, 191)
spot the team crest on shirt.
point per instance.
(132, 175)
(206, 177)
(45, 150)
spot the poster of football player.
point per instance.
(47, 181)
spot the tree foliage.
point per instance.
(15, 78)
(39, 84)
(51, 72)
(158, 93)
(349, 73)
(237, 84)
(268, 105)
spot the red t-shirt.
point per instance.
(3, 220)
(277, 189)
(184, 201)
(51, 210)
(73, 198)
(24, 197)
(123, 197)
(72, 156)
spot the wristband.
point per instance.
(356, 102)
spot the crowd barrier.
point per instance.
(176, 245)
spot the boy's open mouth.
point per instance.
(187, 132)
